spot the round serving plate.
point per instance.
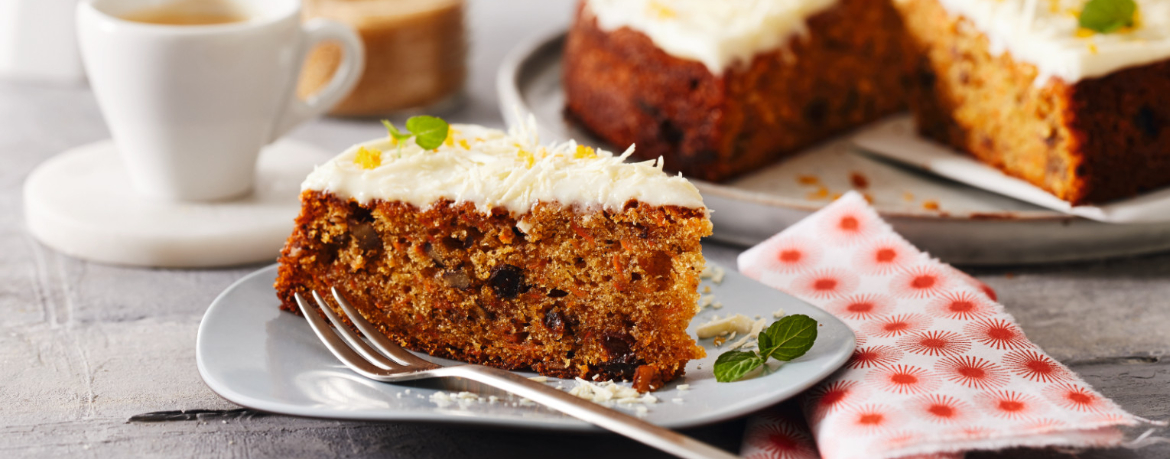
(257, 356)
(954, 222)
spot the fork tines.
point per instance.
(351, 349)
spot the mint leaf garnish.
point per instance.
(1107, 16)
(788, 338)
(394, 132)
(430, 131)
(784, 340)
(733, 365)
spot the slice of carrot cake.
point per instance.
(721, 88)
(495, 249)
(1070, 95)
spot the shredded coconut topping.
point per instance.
(727, 328)
(491, 168)
(608, 392)
(716, 327)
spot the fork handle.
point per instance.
(659, 437)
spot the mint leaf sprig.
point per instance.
(429, 132)
(733, 365)
(786, 339)
(1108, 16)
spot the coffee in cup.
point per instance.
(190, 106)
(189, 12)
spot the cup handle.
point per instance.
(353, 62)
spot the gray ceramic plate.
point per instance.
(257, 356)
(970, 226)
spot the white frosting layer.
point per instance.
(492, 169)
(718, 33)
(1044, 33)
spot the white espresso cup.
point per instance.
(190, 106)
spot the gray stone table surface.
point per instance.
(85, 346)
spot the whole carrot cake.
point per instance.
(498, 250)
(719, 88)
(1070, 95)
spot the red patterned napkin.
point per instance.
(940, 367)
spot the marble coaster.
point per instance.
(81, 203)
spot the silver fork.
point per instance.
(392, 363)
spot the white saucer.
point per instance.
(81, 203)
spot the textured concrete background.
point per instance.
(84, 347)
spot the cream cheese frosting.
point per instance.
(1045, 33)
(718, 34)
(491, 169)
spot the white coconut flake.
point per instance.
(737, 323)
(609, 392)
(757, 327)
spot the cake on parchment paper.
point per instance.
(1021, 86)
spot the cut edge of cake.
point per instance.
(1098, 137)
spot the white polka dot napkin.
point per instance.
(940, 367)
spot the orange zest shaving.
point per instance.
(450, 140)
(368, 158)
(661, 11)
(584, 152)
(527, 157)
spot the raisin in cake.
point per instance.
(1018, 85)
(720, 88)
(497, 250)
